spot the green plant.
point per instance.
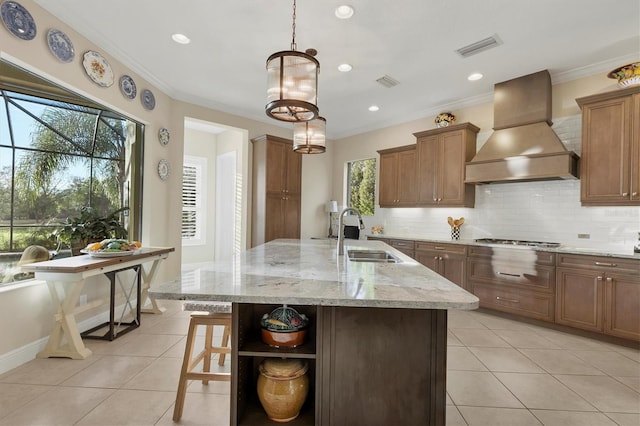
(89, 226)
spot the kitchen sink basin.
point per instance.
(372, 256)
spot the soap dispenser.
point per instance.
(636, 248)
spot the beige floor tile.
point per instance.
(505, 360)
(611, 363)
(482, 338)
(110, 372)
(493, 322)
(572, 418)
(130, 407)
(460, 358)
(160, 375)
(543, 391)
(217, 387)
(526, 339)
(452, 340)
(485, 416)
(462, 319)
(625, 419)
(201, 409)
(631, 353)
(169, 325)
(177, 350)
(454, 418)
(449, 401)
(147, 345)
(605, 393)
(60, 406)
(632, 382)
(560, 362)
(47, 371)
(573, 342)
(13, 396)
(464, 389)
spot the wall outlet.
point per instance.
(83, 299)
(584, 236)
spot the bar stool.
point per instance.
(207, 314)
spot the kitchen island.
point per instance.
(377, 341)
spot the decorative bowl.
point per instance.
(284, 326)
(627, 75)
(444, 119)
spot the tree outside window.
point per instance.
(361, 185)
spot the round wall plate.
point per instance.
(163, 136)
(163, 169)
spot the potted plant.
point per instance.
(89, 227)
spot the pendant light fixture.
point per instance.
(292, 83)
(309, 137)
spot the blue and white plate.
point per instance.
(163, 136)
(60, 45)
(148, 100)
(128, 87)
(18, 20)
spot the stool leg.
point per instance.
(182, 383)
(208, 346)
(225, 343)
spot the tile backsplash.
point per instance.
(540, 211)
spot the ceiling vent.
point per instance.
(387, 81)
(479, 46)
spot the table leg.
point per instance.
(147, 279)
(65, 340)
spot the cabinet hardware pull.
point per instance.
(510, 275)
(624, 194)
(438, 248)
(599, 278)
(613, 265)
(634, 193)
(609, 279)
(507, 300)
(435, 199)
(435, 257)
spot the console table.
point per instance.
(65, 279)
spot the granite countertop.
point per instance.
(308, 272)
(589, 251)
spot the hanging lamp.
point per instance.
(309, 137)
(292, 83)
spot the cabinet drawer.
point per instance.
(384, 240)
(515, 274)
(402, 244)
(521, 302)
(439, 247)
(600, 263)
(510, 255)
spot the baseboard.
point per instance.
(28, 352)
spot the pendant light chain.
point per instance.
(293, 27)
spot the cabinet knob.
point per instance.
(609, 279)
(624, 194)
(634, 193)
(439, 199)
(599, 278)
(435, 257)
(435, 199)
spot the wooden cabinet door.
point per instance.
(388, 180)
(622, 306)
(291, 217)
(635, 151)
(454, 268)
(429, 259)
(293, 180)
(606, 149)
(276, 167)
(274, 217)
(407, 185)
(428, 161)
(451, 169)
(580, 298)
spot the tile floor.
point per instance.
(500, 372)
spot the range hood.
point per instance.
(523, 147)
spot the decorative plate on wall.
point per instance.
(163, 135)
(148, 100)
(60, 45)
(98, 69)
(128, 87)
(18, 20)
(163, 169)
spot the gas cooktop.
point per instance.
(542, 244)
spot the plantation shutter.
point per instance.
(193, 200)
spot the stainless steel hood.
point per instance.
(523, 147)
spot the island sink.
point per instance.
(372, 256)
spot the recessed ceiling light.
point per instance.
(345, 67)
(374, 108)
(344, 12)
(475, 76)
(181, 38)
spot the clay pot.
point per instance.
(283, 386)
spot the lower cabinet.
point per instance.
(517, 281)
(448, 260)
(405, 246)
(599, 294)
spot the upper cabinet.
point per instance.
(277, 182)
(610, 164)
(397, 182)
(441, 157)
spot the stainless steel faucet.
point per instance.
(341, 230)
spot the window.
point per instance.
(58, 154)
(361, 185)
(194, 174)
